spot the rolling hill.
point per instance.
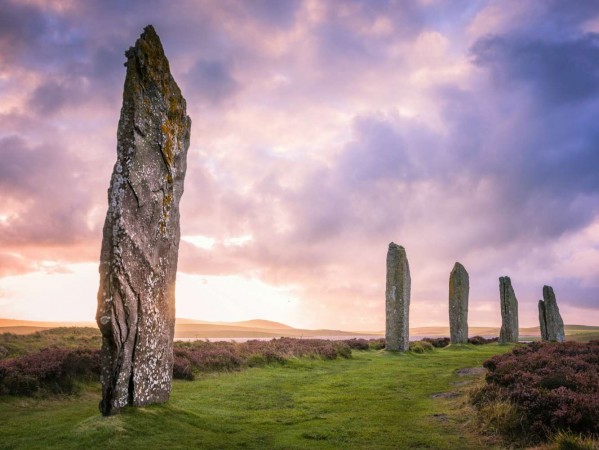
(259, 328)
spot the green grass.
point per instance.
(374, 400)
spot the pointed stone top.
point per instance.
(458, 266)
(148, 59)
(150, 30)
(394, 245)
(505, 279)
(148, 40)
(547, 289)
(149, 36)
(149, 77)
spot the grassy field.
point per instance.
(374, 400)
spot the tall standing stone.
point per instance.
(509, 312)
(459, 288)
(543, 321)
(138, 261)
(550, 318)
(397, 299)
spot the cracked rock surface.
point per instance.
(138, 261)
(459, 289)
(552, 325)
(509, 312)
(397, 299)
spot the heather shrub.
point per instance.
(182, 369)
(343, 350)
(57, 370)
(52, 370)
(376, 344)
(256, 360)
(437, 342)
(357, 344)
(421, 346)
(15, 383)
(479, 340)
(204, 356)
(83, 364)
(416, 347)
(553, 387)
(3, 352)
(272, 357)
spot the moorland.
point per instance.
(288, 393)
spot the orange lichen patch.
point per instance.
(167, 201)
(173, 124)
(167, 144)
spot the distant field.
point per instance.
(581, 333)
(22, 329)
(189, 328)
(374, 400)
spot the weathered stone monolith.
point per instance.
(509, 312)
(542, 321)
(397, 299)
(459, 288)
(552, 320)
(138, 261)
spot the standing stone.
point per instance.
(552, 320)
(397, 299)
(542, 321)
(509, 312)
(138, 261)
(459, 288)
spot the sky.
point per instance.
(322, 131)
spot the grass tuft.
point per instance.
(570, 441)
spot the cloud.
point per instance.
(50, 97)
(37, 38)
(273, 12)
(213, 81)
(558, 72)
(45, 201)
(21, 26)
(11, 264)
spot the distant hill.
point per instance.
(259, 323)
(190, 328)
(254, 323)
(259, 328)
(245, 329)
(40, 324)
